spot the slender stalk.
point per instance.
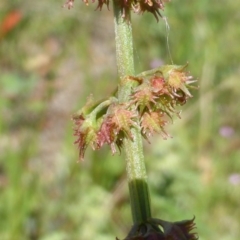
(136, 171)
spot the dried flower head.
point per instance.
(181, 230)
(68, 4)
(152, 6)
(137, 6)
(150, 230)
(158, 85)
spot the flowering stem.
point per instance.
(136, 171)
(102, 105)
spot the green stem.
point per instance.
(102, 105)
(136, 171)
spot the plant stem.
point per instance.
(136, 171)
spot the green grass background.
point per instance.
(53, 60)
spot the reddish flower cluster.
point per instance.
(153, 122)
(137, 6)
(152, 6)
(110, 128)
(152, 101)
(171, 230)
(116, 125)
(85, 133)
(68, 4)
(158, 95)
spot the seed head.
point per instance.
(137, 6)
(153, 122)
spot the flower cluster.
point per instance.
(137, 6)
(153, 101)
(108, 123)
(150, 230)
(160, 92)
(116, 125)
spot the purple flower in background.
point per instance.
(234, 179)
(156, 62)
(226, 131)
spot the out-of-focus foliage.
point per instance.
(52, 59)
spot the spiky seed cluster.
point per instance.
(153, 122)
(150, 230)
(85, 132)
(109, 128)
(158, 95)
(137, 6)
(116, 125)
(152, 6)
(152, 102)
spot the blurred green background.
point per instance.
(52, 59)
